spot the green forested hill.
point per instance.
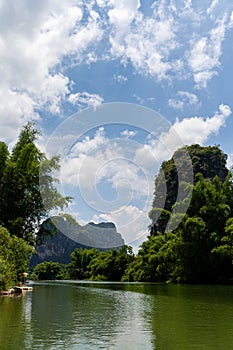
(200, 247)
(209, 161)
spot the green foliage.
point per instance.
(144, 266)
(88, 264)
(80, 261)
(200, 248)
(26, 184)
(14, 258)
(69, 218)
(49, 270)
(208, 161)
(7, 276)
(111, 265)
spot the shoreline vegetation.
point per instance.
(198, 250)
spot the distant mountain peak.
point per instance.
(71, 236)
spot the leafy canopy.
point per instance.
(27, 187)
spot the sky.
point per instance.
(116, 87)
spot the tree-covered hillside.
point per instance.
(209, 161)
(200, 248)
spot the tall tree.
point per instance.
(25, 178)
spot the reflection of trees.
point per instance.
(192, 317)
(71, 315)
(12, 323)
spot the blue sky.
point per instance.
(60, 58)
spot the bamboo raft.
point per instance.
(16, 289)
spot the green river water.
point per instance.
(124, 316)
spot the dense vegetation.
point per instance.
(25, 174)
(209, 161)
(88, 264)
(14, 257)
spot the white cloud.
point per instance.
(127, 217)
(15, 110)
(230, 161)
(184, 99)
(120, 78)
(198, 129)
(121, 14)
(183, 132)
(85, 99)
(212, 6)
(176, 104)
(156, 45)
(205, 53)
(149, 44)
(190, 97)
(34, 41)
(128, 133)
(101, 160)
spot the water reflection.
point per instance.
(14, 322)
(118, 316)
(90, 318)
(193, 317)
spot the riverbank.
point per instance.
(16, 290)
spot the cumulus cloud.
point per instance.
(183, 132)
(121, 14)
(34, 41)
(127, 217)
(184, 99)
(85, 99)
(15, 110)
(100, 159)
(230, 161)
(39, 41)
(120, 78)
(153, 45)
(198, 129)
(205, 53)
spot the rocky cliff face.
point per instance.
(70, 236)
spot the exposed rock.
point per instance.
(70, 236)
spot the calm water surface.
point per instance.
(76, 315)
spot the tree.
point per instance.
(111, 265)
(144, 267)
(49, 270)
(199, 247)
(209, 161)
(81, 259)
(27, 187)
(14, 258)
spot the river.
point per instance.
(125, 316)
